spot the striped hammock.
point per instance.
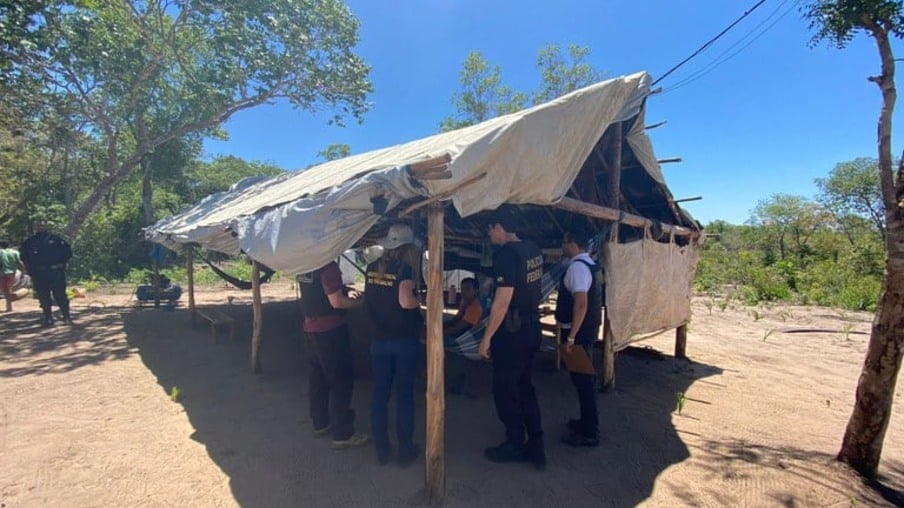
(468, 343)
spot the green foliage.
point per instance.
(129, 77)
(837, 21)
(335, 151)
(483, 95)
(851, 193)
(561, 74)
(792, 250)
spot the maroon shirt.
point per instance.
(331, 280)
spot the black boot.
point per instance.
(505, 452)
(536, 452)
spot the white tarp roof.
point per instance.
(298, 222)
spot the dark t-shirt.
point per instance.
(519, 265)
(315, 286)
(381, 302)
(44, 250)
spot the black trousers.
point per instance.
(331, 381)
(513, 391)
(50, 285)
(585, 384)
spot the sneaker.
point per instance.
(47, 321)
(575, 439)
(322, 431)
(68, 321)
(353, 441)
(382, 457)
(409, 456)
(505, 452)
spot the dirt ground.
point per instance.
(86, 417)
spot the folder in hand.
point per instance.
(577, 361)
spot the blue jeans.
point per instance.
(393, 360)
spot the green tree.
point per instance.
(561, 74)
(852, 190)
(837, 22)
(788, 221)
(137, 74)
(483, 95)
(205, 178)
(335, 151)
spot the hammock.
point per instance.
(235, 281)
(468, 343)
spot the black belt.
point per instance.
(50, 268)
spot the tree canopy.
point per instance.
(134, 75)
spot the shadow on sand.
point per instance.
(43, 350)
(256, 428)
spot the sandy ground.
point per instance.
(86, 418)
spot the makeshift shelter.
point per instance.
(582, 157)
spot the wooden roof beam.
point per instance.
(613, 215)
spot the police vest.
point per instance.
(314, 301)
(565, 301)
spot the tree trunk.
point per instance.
(865, 432)
(147, 192)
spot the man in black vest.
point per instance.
(579, 314)
(332, 377)
(512, 338)
(45, 255)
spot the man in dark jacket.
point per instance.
(45, 255)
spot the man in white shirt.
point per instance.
(579, 314)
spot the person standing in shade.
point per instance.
(331, 378)
(392, 306)
(579, 314)
(511, 339)
(45, 255)
(9, 263)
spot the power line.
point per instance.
(714, 39)
(722, 58)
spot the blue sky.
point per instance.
(770, 119)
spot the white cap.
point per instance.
(399, 234)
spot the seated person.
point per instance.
(469, 311)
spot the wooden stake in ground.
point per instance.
(681, 341)
(258, 317)
(436, 394)
(190, 271)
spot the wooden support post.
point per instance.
(190, 271)
(607, 376)
(681, 341)
(156, 283)
(436, 393)
(258, 317)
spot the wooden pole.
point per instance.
(156, 283)
(681, 341)
(258, 317)
(436, 393)
(607, 376)
(190, 271)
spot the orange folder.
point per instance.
(577, 361)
